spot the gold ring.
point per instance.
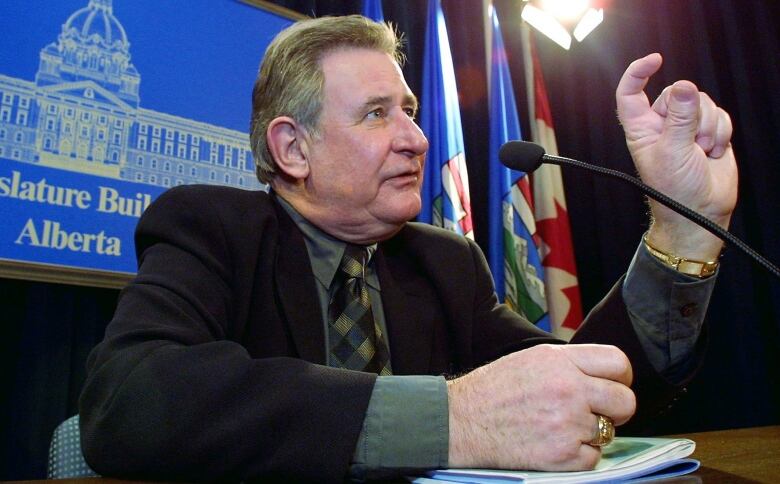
(605, 433)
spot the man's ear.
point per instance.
(285, 138)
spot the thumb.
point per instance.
(682, 116)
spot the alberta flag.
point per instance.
(445, 190)
(514, 254)
(552, 218)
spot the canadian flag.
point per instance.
(552, 219)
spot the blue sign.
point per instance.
(67, 218)
(105, 104)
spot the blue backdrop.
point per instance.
(197, 60)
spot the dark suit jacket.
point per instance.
(213, 366)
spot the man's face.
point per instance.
(367, 158)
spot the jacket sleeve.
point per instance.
(171, 393)
(498, 330)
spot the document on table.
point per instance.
(625, 459)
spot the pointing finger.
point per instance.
(630, 96)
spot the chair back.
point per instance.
(65, 457)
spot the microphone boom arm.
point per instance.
(703, 221)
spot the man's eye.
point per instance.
(378, 113)
(411, 112)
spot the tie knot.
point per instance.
(354, 260)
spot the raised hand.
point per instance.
(681, 146)
(536, 408)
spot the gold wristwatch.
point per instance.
(695, 268)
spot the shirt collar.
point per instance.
(326, 251)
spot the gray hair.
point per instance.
(290, 79)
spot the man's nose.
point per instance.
(409, 137)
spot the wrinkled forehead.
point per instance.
(348, 55)
(352, 71)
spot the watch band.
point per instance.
(695, 268)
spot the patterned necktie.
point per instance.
(354, 338)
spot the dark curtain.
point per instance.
(727, 47)
(47, 332)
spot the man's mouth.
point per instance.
(409, 177)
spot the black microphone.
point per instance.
(527, 157)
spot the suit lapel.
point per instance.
(296, 289)
(406, 302)
(409, 302)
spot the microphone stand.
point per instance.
(704, 222)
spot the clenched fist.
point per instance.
(536, 408)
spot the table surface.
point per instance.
(736, 456)
(747, 455)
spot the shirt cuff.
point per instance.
(406, 428)
(667, 310)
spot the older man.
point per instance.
(304, 333)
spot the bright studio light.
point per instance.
(565, 10)
(552, 17)
(545, 23)
(589, 21)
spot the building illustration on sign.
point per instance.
(83, 113)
